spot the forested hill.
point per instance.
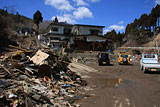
(145, 27)
(9, 22)
(140, 31)
(13, 20)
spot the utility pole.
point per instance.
(157, 46)
(155, 43)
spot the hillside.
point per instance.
(9, 23)
(138, 32)
(152, 43)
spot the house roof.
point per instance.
(74, 35)
(88, 35)
(61, 24)
(89, 25)
(57, 34)
(66, 24)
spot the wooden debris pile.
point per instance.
(36, 79)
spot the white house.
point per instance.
(79, 29)
(62, 34)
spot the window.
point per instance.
(104, 55)
(94, 32)
(124, 56)
(55, 29)
(67, 31)
(149, 56)
(54, 38)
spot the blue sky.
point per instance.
(113, 14)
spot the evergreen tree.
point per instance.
(37, 18)
(56, 20)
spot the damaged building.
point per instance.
(61, 35)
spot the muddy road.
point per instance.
(122, 86)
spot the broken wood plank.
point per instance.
(22, 72)
(5, 69)
(25, 50)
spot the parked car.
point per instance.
(123, 58)
(103, 58)
(149, 62)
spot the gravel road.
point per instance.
(121, 86)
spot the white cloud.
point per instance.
(80, 2)
(106, 30)
(157, 1)
(117, 27)
(121, 22)
(66, 17)
(82, 12)
(60, 4)
(94, 1)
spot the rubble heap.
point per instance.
(38, 79)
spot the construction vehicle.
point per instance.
(123, 58)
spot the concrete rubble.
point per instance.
(38, 78)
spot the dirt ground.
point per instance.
(121, 86)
